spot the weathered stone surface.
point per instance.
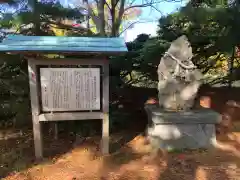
(184, 136)
(179, 130)
(158, 115)
(178, 77)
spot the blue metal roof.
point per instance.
(20, 43)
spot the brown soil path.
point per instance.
(131, 163)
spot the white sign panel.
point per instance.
(70, 89)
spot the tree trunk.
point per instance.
(101, 17)
(113, 16)
(118, 20)
(36, 14)
(230, 68)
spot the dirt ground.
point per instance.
(130, 162)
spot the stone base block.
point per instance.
(182, 130)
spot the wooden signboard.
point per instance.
(70, 89)
(63, 88)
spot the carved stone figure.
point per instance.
(175, 124)
(179, 79)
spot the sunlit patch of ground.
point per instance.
(132, 162)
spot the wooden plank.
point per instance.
(32, 72)
(105, 134)
(105, 84)
(37, 135)
(34, 94)
(70, 116)
(55, 130)
(105, 100)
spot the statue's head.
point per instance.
(181, 49)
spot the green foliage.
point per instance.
(150, 56)
(14, 94)
(14, 88)
(211, 28)
(50, 15)
(123, 66)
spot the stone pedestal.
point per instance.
(181, 130)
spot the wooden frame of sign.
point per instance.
(70, 104)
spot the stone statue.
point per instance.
(175, 124)
(179, 79)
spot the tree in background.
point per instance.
(21, 19)
(49, 18)
(211, 27)
(107, 16)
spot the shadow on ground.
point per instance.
(127, 159)
(199, 167)
(213, 164)
(133, 163)
(130, 162)
(17, 153)
(17, 150)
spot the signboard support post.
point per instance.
(56, 131)
(37, 135)
(105, 100)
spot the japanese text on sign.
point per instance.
(70, 89)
